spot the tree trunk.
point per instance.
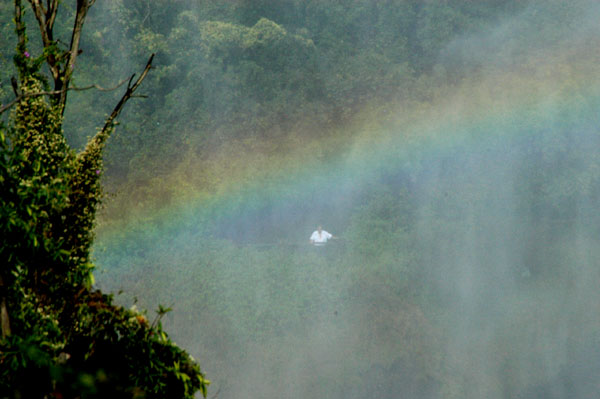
(4, 320)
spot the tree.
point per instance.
(56, 329)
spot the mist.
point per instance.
(467, 259)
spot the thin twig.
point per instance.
(128, 94)
(10, 104)
(95, 86)
(216, 393)
(15, 86)
(55, 92)
(19, 24)
(82, 9)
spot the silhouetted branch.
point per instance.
(54, 92)
(95, 144)
(15, 86)
(19, 25)
(61, 73)
(216, 393)
(128, 94)
(82, 9)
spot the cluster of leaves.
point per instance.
(56, 330)
(99, 350)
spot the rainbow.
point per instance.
(461, 148)
(551, 88)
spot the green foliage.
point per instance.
(56, 331)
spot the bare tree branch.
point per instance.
(216, 394)
(128, 94)
(51, 14)
(95, 144)
(46, 26)
(40, 14)
(20, 97)
(61, 73)
(95, 86)
(20, 26)
(15, 86)
(9, 105)
(42, 5)
(82, 9)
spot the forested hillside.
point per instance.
(450, 146)
(237, 74)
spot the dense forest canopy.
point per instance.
(269, 70)
(452, 146)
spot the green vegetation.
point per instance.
(60, 337)
(269, 71)
(454, 149)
